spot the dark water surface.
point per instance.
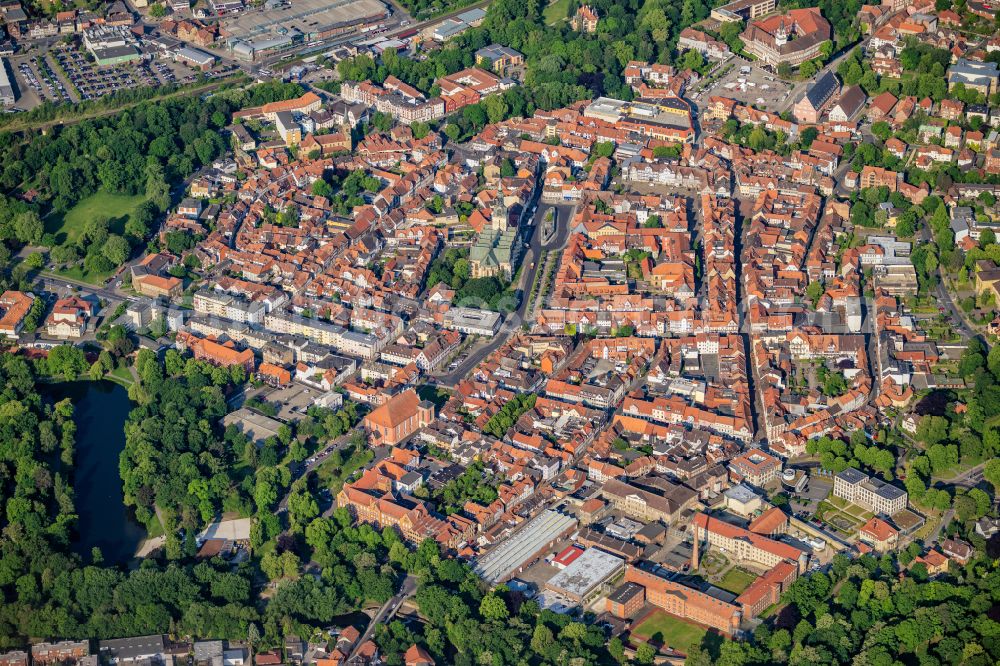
(100, 409)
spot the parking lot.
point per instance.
(292, 401)
(756, 87)
(36, 75)
(809, 499)
(92, 81)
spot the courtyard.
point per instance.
(736, 580)
(842, 516)
(673, 632)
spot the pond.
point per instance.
(100, 409)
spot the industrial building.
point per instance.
(583, 580)
(524, 546)
(253, 35)
(111, 45)
(8, 92)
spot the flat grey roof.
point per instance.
(852, 475)
(256, 427)
(133, 648)
(586, 572)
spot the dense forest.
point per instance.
(179, 460)
(44, 588)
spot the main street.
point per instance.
(56, 283)
(531, 264)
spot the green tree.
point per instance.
(814, 291)
(645, 654)
(28, 228)
(991, 472)
(493, 608)
(932, 429)
(116, 249)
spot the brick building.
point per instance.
(757, 467)
(744, 545)
(627, 600)
(686, 602)
(216, 353)
(399, 418)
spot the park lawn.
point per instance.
(80, 274)
(333, 477)
(858, 512)
(555, 11)
(115, 207)
(154, 528)
(736, 580)
(673, 631)
(962, 468)
(122, 376)
(838, 502)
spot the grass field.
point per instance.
(67, 227)
(672, 631)
(736, 580)
(555, 11)
(80, 274)
(121, 376)
(115, 207)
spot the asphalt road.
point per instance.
(388, 610)
(313, 462)
(944, 297)
(945, 521)
(971, 477)
(53, 283)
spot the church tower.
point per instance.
(499, 216)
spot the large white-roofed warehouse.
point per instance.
(524, 546)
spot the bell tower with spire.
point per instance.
(781, 34)
(499, 216)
